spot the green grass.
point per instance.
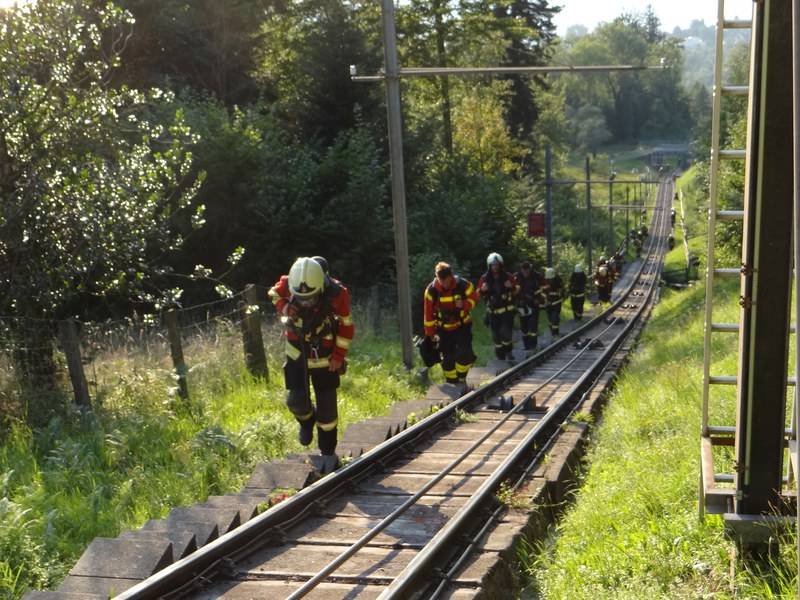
(634, 529)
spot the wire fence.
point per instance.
(45, 363)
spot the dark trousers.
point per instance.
(502, 329)
(457, 354)
(299, 380)
(577, 306)
(529, 326)
(554, 318)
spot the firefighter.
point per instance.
(529, 302)
(448, 302)
(671, 241)
(500, 289)
(555, 296)
(616, 261)
(604, 281)
(577, 291)
(637, 245)
(319, 330)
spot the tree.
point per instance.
(90, 185)
(304, 66)
(636, 104)
(590, 128)
(531, 37)
(205, 45)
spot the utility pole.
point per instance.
(611, 208)
(548, 204)
(392, 78)
(588, 216)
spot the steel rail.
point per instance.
(271, 523)
(421, 565)
(389, 519)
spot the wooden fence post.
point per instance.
(174, 333)
(250, 319)
(376, 310)
(72, 350)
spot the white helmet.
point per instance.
(306, 280)
(550, 273)
(578, 268)
(322, 263)
(494, 257)
(602, 259)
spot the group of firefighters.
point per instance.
(449, 300)
(318, 326)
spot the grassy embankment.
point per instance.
(634, 530)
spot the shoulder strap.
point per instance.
(432, 291)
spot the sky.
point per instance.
(671, 13)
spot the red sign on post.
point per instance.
(536, 225)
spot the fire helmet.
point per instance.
(578, 268)
(322, 263)
(306, 280)
(550, 273)
(494, 257)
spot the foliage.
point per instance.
(85, 172)
(205, 46)
(644, 104)
(331, 203)
(304, 66)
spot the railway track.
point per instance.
(406, 518)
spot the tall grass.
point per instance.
(634, 530)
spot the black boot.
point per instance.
(306, 435)
(326, 440)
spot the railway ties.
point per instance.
(385, 527)
(346, 519)
(416, 514)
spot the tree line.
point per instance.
(155, 153)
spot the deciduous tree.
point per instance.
(90, 184)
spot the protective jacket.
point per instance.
(531, 289)
(441, 312)
(603, 279)
(555, 291)
(325, 330)
(500, 299)
(577, 285)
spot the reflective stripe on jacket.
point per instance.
(326, 328)
(440, 310)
